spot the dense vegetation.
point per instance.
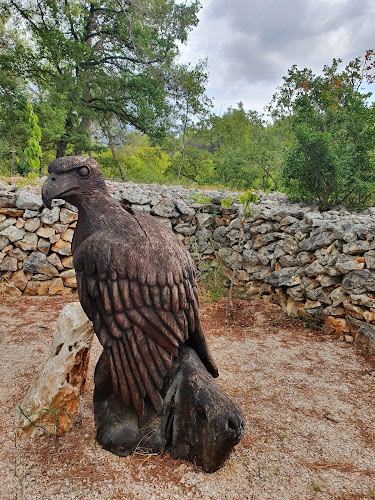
(102, 78)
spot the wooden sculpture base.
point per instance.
(199, 423)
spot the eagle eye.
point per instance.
(83, 172)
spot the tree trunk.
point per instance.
(115, 157)
(84, 130)
(107, 132)
(183, 143)
(61, 148)
(62, 143)
(199, 421)
(182, 161)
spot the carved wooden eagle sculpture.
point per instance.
(136, 283)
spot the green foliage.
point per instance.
(87, 61)
(214, 281)
(227, 202)
(316, 487)
(197, 164)
(248, 197)
(33, 152)
(141, 163)
(200, 198)
(246, 152)
(333, 125)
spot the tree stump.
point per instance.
(199, 423)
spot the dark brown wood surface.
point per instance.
(137, 284)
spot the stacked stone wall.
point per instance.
(320, 265)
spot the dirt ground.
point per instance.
(308, 401)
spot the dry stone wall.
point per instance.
(320, 265)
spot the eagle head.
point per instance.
(72, 178)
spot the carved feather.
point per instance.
(143, 308)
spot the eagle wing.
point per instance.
(141, 315)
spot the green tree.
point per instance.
(246, 151)
(188, 90)
(140, 161)
(33, 151)
(333, 123)
(13, 126)
(197, 165)
(92, 59)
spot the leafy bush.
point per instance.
(334, 131)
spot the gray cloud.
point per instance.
(246, 65)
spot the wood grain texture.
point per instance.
(136, 282)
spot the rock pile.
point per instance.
(316, 264)
(35, 252)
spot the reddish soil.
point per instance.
(308, 400)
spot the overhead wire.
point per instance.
(213, 12)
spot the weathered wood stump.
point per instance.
(199, 422)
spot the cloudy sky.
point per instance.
(250, 44)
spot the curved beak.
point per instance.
(57, 187)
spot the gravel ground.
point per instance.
(308, 400)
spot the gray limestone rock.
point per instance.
(32, 224)
(30, 214)
(183, 208)
(186, 229)
(28, 242)
(327, 281)
(233, 235)
(284, 277)
(320, 295)
(10, 221)
(28, 201)
(347, 263)
(314, 269)
(315, 242)
(67, 215)
(288, 261)
(296, 293)
(260, 240)
(291, 246)
(165, 208)
(304, 258)
(8, 264)
(260, 273)
(288, 220)
(219, 233)
(262, 228)
(363, 300)
(338, 295)
(44, 245)
(309, 283)
(370, 259)
(250, 258)
(13, 233)
(134, 195)
(19, 254)
(49, 217)
(164, 220)
(202, 236)
(358, 247)
(3, 242)
(54, 259)
(144, 208)
(7, 199)
(358, 282)
(203, 220)
(37, 263)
